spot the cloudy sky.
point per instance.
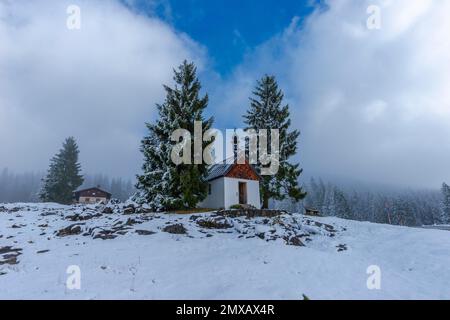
(372, 104)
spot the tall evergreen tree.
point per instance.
(63, 176)
(445, 204)
(163, 184)
(268, 112)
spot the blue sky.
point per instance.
(227, 28)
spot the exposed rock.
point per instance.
(9, 259)
(175, 229)
(144, 232)
(242, 206)
(295, 241)
(260, 235)
(213, 224)
(42, 251)
(73, 229)
(194, 217)
(9, 249)
(130, 209)
(10, 255)
(107, 210)
(114, 201)
(143, 210)
(48, 213)
(105, 235)
(82, 217)
(131, 222)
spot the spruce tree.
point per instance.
(164, 185)
(63, 176)
(445, 204)
(268, 112)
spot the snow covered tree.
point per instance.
(341, 205)
(316, 194)
(164, 185)
(329, 204)
(63, 176)
(117, 189)
(402, 214)
(358, 211)
(445, 204)
(268, 112)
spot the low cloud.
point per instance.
(99, 83)
(372, 105)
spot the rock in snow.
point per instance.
(213, 255)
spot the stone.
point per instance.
(73, 229)
(107, 210)
(175, 229)
(9, 255)
(213, 224)
(129, 209)
(144, 232)
(295, 241)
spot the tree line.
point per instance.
(25, 187)
(396, 207)
(164, 185)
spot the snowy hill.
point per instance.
(210, 256)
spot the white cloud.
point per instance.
(371, 104)
(99, 84)
(374, 110)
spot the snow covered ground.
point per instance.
(132, 257)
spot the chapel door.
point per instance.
(242, 193)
